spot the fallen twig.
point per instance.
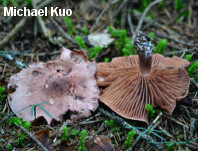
(32, 137)
(14, 31)
(194, 82)
(60, 29)
(126, 125)
(130, 20)
(174, 120)
(182, 51)
(142, 18)
(120, 8)
(104, 10)
(155, 23)
(41, 22)
(19, 26)
(176, 40)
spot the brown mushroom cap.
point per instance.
(67, 83)
(128, 90)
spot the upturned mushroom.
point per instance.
(66, 84)
(137, 80)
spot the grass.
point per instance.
(150, 110)
(129, 139)
(92, 51)
(161, 46)
(69, 25)
(81, 143)
(68, 133)
(20, 140)
(122, 41)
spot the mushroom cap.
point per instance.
(67, 84)
(128, 91)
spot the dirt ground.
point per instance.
(25, 40)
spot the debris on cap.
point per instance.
(134, 81)
(65, 84)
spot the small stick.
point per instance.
(156, 24)
(60, 29)
(174, 39)
(4, 68)
(130, 20)
(90, 122)
(123, 16)
(143, 16)
(120, 8)
(41, 22)
(32, 137)
(19, 26)
(194, 82)
(165, 132)
(91, 118)
(14, 31)
(174, 120)
(182, 51)
(125, 124)
(104, 10)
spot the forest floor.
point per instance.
(173, 25)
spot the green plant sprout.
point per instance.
(196, 77)
(80, 42)
(144, 4)
(9, 148)
(122, 41)
(129, 139)
(32, 111)
(5, 2)
(85, 31)
(20, 140)
(151, 34)
(162, 5)
(69, 25)
(183, 15)
(150, 110)
(2, 90)
(188, 57)
(110, 123)
(106, 59)
(113, 127)
(92, 52)
(39, 105)
(20, 122)
(179, 5)
(192, 68)
(81, 144)
(67, 133)
(161, 46)
(114, 32)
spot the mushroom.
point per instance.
(66, 84)
(137, 80)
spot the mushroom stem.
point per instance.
(145, 50)
(145, 64)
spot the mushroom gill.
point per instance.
(134, 81)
